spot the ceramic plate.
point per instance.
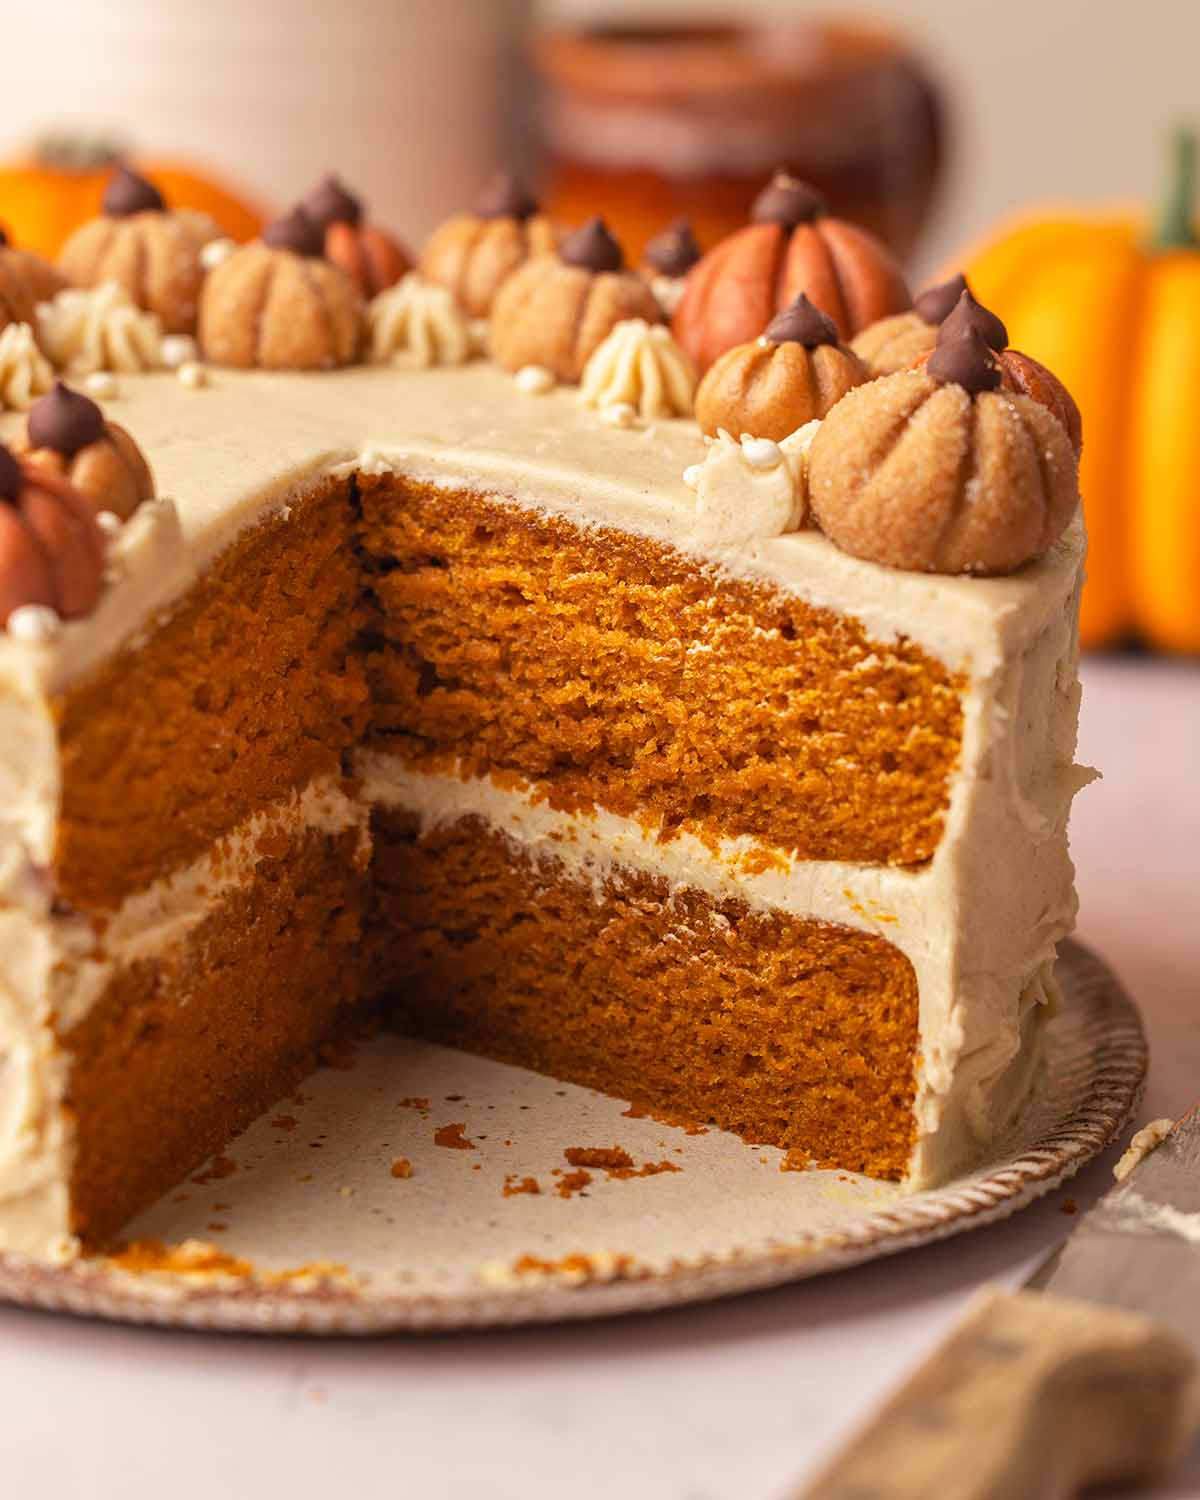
(394, 1192)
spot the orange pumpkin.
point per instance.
(45, 197)
(792, 246)
(1115, 312)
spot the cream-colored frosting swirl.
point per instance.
(640, 365)
(25, 372)
(752, 488)
(417, 322)
(99, 328)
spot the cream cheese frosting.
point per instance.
(466, 427)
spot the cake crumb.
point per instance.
(515, 1185)
(797, 1161)
(452, 1137)
(192, 1257)
(575, 1269)
(401, 1167)
(197, 1258)
(598, 1156)
(615, 1162)
(217, 1226)
(647, 1169)
(570, 1183)
(413, 1102)
(219, 1167)
(1068, 1206)
(346, 1191)
(284, 1122)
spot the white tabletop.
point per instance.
(737, 1399)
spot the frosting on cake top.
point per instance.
(243, 447)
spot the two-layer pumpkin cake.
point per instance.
(348, 669)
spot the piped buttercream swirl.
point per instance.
(751, 488)
(417, 322)
(639, 364)
(99, 328)
(25, 372)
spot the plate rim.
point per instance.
(335, 1308)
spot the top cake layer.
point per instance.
(236, 451)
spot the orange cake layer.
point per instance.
(788, 1031)
(250, 688)
(611, 670)
(183, 1051)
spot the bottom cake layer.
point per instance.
(183, 1049)
(789, 1032)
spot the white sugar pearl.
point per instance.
(177, 349)
(34, 623)
(192, 374)
(215, 252)
(761, 453)
(691, 476)
(535, 380)
(102, 384)
(618, 414)
(109, 523)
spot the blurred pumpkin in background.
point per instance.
(46, 195)
(1114, 310)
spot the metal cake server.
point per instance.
(1089, 1375)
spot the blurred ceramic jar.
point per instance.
(666, 121)
(413, 102)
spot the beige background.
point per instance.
(1051, 98)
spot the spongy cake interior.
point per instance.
(455, 632)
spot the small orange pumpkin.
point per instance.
(60, 185)
(791, 246)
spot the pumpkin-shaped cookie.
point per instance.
(474, 254)
(666, 260)
(795, 373)
(51, 550)
(557, 310)
(67, 434)
(372, 258)
(895, 342)
(1020, 373)
(25, 280)
(791, 246)
(942, 471)
(277, 304)
(150, 250)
